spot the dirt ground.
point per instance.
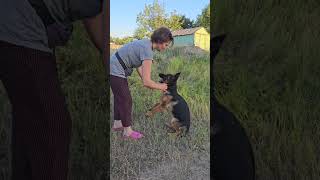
(191, 166)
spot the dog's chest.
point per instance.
(171, 105)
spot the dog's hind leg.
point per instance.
(183, 131)
(177, 126)
(169, 128)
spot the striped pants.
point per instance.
(122, 100)
(41, 126)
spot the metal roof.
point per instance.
(182, 32)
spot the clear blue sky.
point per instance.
(123, 13)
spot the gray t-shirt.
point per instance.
(20, 25)
(132, 54)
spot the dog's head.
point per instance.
(170, 79)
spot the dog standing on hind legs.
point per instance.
(171, 100)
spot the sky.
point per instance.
(123, 13)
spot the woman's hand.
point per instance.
(163, 87)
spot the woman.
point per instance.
(137, 54)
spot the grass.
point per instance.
(159, 155)
(268, 73)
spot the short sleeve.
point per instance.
(81, 9)
(146, 54)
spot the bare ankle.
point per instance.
(117, 124)
(127, 131)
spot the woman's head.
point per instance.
(161, 38)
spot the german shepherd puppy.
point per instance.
(171, 100)
(233, 158)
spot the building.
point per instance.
(197, 36)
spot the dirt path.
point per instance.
(190, 166)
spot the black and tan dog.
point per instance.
(171, 100)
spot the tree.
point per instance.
(126, 40)
(186, 22)
(204, 18)
(121, 41)
(154, 16)
(140, 33)
(174, 21)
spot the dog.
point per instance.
(233, 158)
(172, 101)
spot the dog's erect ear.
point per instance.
(161, 75)
(177, 75)
(215, 44)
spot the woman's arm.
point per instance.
(94, 27)
(146, 77)
(139, 70)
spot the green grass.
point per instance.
(157, 154)
(83, 79)
(268, 73)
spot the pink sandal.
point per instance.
(118, 129)
(134, 135)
